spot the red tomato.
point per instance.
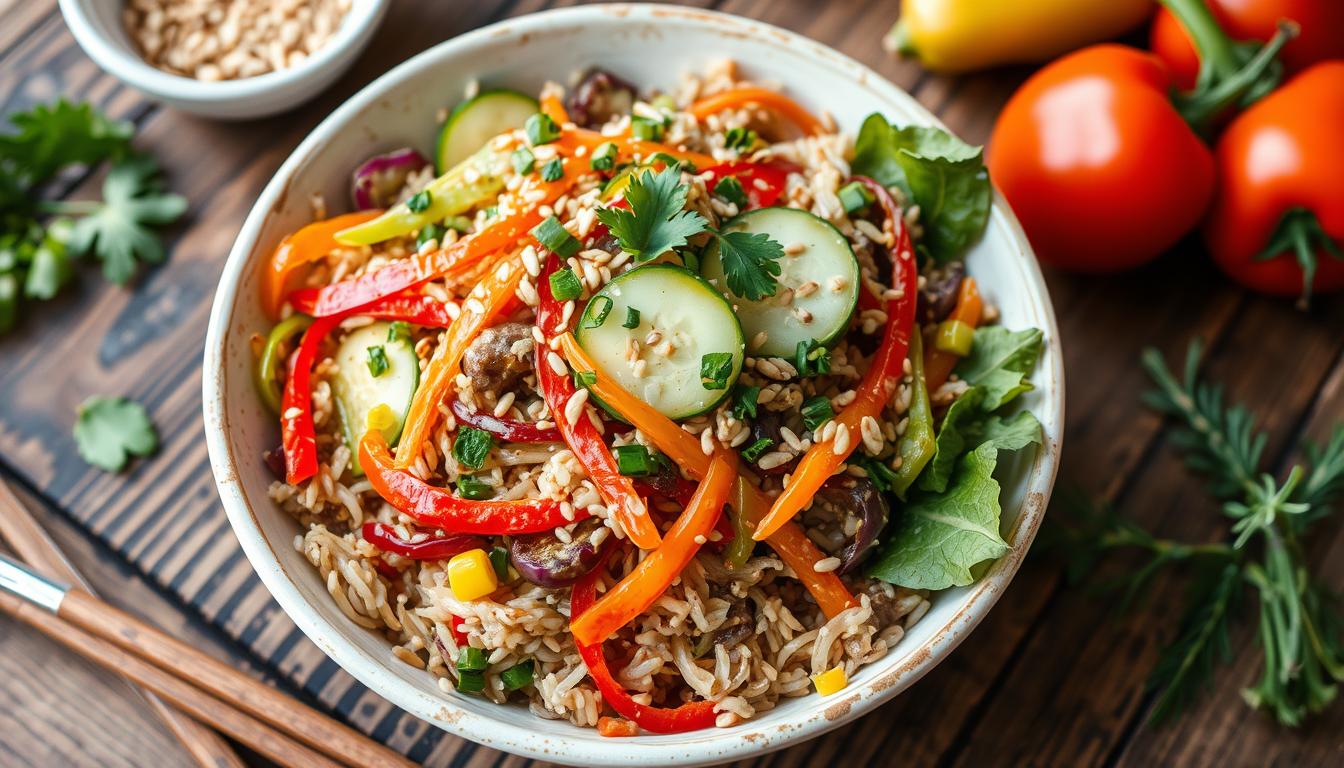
(1321, 36)
(1099, 166)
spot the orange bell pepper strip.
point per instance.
(938, 365)
(655, 573)
(493, 293)
(772, 100)
(305, 246)
(683, 448)
(873, 393)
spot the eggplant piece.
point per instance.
(938, 297)
(736, 628)
(599, 97)
(378, 180)
(859, 496)
(545, 560)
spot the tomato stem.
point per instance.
(1229, 72)
(1301, 231)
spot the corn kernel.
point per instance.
(380, 417)
(830, 681)
(471, 575)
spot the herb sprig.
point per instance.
(1298, 621)
(38, 236)
(656, 222)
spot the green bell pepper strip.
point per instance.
(466, 185)
(268, 366)
(917, 445)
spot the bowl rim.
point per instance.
(127, 65)
(723, 744)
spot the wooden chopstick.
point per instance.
(267, 741)
(28, 539)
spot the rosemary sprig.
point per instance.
(1299, 621)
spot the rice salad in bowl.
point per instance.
(645, 409)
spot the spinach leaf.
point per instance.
(999, 362)
(938, 538)
(945, 176)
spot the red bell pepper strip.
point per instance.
(437, 507)
(411, 308)
(694, 716)
(508, 429)
(582, 437)
(305, 246)
(296, 407)
(659, 568)
(385, 538)
(773, 177)
(873, 393)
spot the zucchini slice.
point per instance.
(358, 390)
(671, 306)
(478, 120)
(825, 269)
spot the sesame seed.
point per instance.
(774, 459)
(557, 364)
(640, 368)
(837, 284)
(806, 289)
(700, 538)
(803, 315)
(759, 340)
(574, 406)
(293, 413)
(505, 402)
(826, 564)
(793, 249)
(841, 446)
(707, 442)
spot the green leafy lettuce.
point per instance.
(945, 176)
(966, 424)
(999, 362)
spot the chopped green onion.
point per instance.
(471, 659)
(757, 449)
(634, 460)
(672, 162)
(470, 682)
(817, 411)
(730, 189)
(631, 318)
(604, 157)
(555, 238)
(664, 102)
(741, 139)
(469, 487)
(378, 363)
(584, 379)
(812, 358)
(855, 197)
(419, 202)
(472, 446)
(491, 212)
(523, 160)
(715, 368)
(883, 476)
(565, 284)
(601, 306)
(517, 676)
(429, 232)
(744, 401)
(499, 558)
(462, 223)
(955, 336)
(644, 129)
(541, 129)
(398, 330)
(553, 170)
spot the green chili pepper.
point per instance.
(271, 360)
(917, 444)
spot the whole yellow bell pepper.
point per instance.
(963, 35)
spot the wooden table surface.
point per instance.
(1051, 677)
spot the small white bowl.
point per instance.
(651, 46)
(97, 27)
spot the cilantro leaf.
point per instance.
(655, 222)
(750, 263)
(117, 230)
(940, 537)
(109, 430)
(51, 137)
(999, 362)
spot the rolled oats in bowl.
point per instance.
(215, 40)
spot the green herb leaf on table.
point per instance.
(939, 538)
(655, 222)
(109, 430)
(945, 176)
(999, 362)
(118, 230)
(53, 136)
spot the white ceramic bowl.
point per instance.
(649, 45)
(97, 27)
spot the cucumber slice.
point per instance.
(478, 120)
(824, 313)
(683, 309)
(358, 391)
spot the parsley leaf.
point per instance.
(110, 430)
(472, 446)
(655, 222)
(750, 263)
(51, 137)
(117, 230)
